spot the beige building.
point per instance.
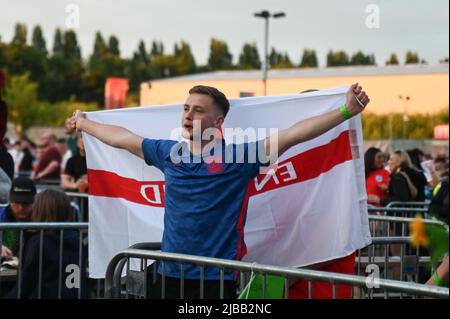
(427, 86)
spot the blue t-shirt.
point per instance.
(204, 212)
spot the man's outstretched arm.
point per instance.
(310, 128)
(112, 135)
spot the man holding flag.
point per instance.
(205, 195)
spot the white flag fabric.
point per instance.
(312, 209)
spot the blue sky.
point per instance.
(416, 25)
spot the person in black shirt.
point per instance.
(26, 164)
(417, 177)
(74, 176)
(51, 206)
(6, 161)
(400, 186)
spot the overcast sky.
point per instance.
(418, 25)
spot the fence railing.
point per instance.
(404, 220)
(48, 184)
(387, 226)
(114, 283)
(12, 279)
(79, 202)
(398, 211)
(424, 204)
(409, 262)
(395, 259)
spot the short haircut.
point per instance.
(220, 100)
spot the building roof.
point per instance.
(345, 71)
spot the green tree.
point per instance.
(219, 56)
(393, 60)
(442, 116)
(338, 58)
(420, 126)
(22, 100)
(58, 43)
(176, 49)
(278, 60)
(65, 72)
(139, 67)
(26, 110)
(309, 59)
(157, 49)
(3, 60)
(38, 41)
(411, 58)
(94, 80)
(53, 87)
(73, 66)
(55, 114)
(18, 57)
(249, 57)
(100, 48)
(113, 45)
(184, 59)
(141, 54)
(359, 58)
(20, 35)
(71, 49)
(102, 64)
(163, 66)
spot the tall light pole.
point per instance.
(266, 15)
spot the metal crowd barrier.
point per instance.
(79, 202)
(13, 277)
(409, 261)
(397, 211)
(395, 254)
(424, 204)
(404, 263)
(114, 285)
(387, 226)
(48, 184)
(23, 174)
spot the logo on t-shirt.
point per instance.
(214, 166)
(379, 178)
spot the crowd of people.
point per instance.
(403, 176)
(410, 176)
(52, 161)
(23, 164)
(25, 205)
